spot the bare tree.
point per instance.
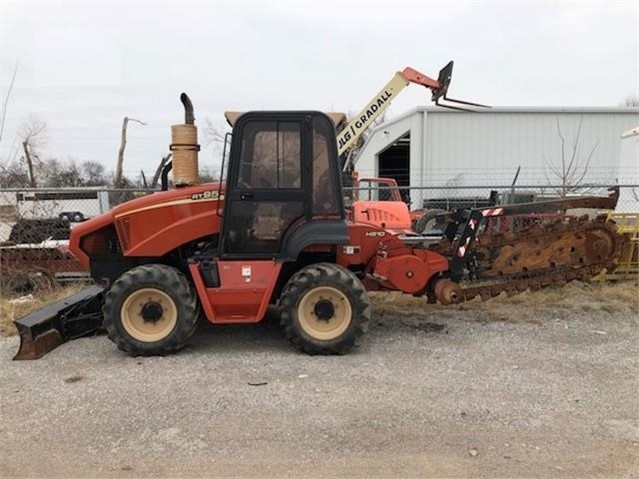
(93, 173)
(572, 167)
(68, 173)
(6, 99)
(208, 175)
(13, 175)
(60, 174)
(213, 133)
(33, 136)
(117, 182)
(630, 100)
(55, 173)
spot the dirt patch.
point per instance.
(621, 297)
(14, 307)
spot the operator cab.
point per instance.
(283, 186)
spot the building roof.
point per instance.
(626, 110)
(539, 109)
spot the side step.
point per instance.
(69, 318)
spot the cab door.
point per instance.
(268, 185)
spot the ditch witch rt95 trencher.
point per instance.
(275, 231)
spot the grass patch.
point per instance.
(608, 297)
(574, 296)
(12, 307)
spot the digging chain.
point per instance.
(539, 255)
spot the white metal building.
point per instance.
(429, 146)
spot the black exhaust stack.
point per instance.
(189, 117)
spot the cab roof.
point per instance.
(336, 117)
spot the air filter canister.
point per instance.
(185, 149)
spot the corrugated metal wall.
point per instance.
(450, 148)
(471, 148)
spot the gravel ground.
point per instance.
(486, 392)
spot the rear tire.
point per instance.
(324, 309)
(151, 310)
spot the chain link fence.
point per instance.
(449, 197)
(35, 224)
(30, 215)
(37, 215)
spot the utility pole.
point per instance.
(117, 182)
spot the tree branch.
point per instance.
(212, 133)
(585, 168)
(6, 100)
(573, 170)
(575, 146)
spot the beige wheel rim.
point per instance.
(324, 313)
(149, 315)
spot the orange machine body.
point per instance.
(155, 225)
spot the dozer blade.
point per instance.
(70, 318)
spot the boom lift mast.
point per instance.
(354, 129)
(393, 213)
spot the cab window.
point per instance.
(324, 182)
(271, 156)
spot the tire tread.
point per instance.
(317, 275)
(167, 279)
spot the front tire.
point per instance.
(151, 310)
(324, 309)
